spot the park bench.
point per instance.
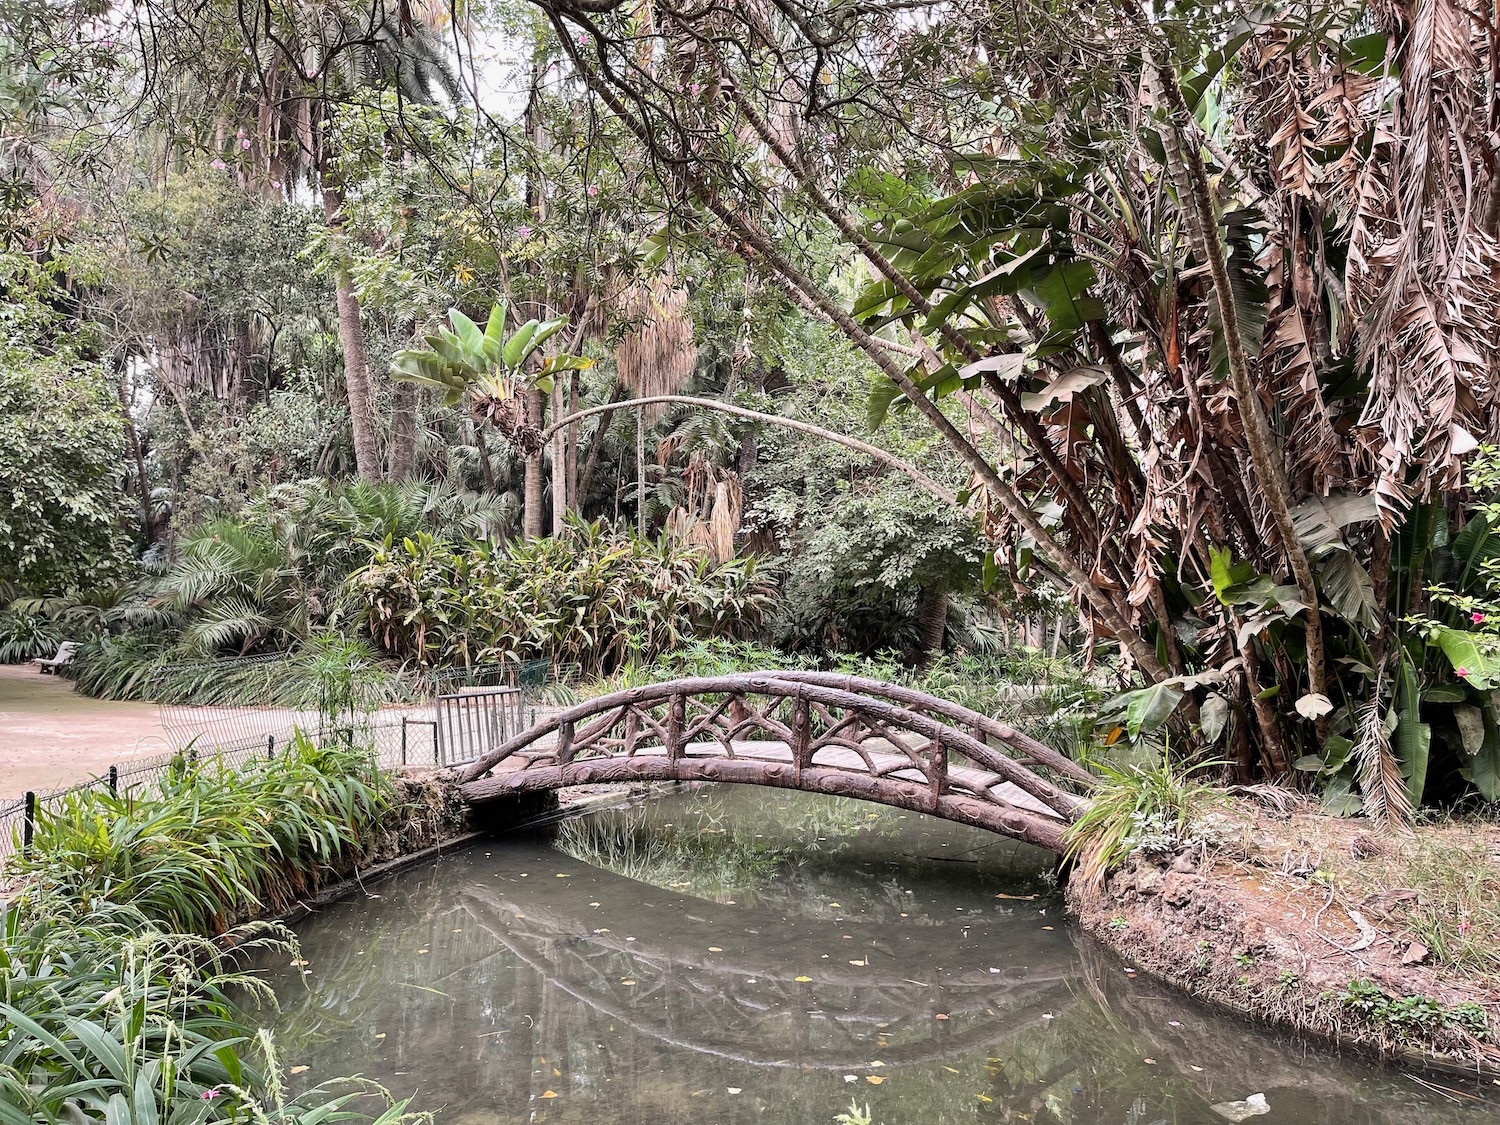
(63, 658)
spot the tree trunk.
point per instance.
(403, 461)
(533, 525)
(356, 361)
(934, 622)
(486, 470)
(596, 446)
(575, 395)
(559, 463)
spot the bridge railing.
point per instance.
(797, 732)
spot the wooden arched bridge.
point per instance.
(819, 732)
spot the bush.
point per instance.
(114, 1005)
(26, 636)
(1151, 810)
(212, 846)
(592, 596)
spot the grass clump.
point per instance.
(122, 971)
(212, 845)
(1154, 810)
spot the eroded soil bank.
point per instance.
(1385, 943)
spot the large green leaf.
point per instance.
(1348, 587)
(1412, 739)
(1472, 661)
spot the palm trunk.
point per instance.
(356, 360)
(532, 525)
(403, 431)
(934, 623)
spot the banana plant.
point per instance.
(490, 367)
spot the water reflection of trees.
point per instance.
(722, 844)
(494, 982)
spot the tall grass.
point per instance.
(212, 845)
(120, 966)
(1153, 809)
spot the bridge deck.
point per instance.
(885, 762)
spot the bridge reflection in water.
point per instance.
(510, 983)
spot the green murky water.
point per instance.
(728, 956)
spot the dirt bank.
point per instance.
(1318, 926)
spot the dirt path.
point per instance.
(51, 737)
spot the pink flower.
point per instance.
(523, 232)
(276, 184)
(593, 189)
(106, 42)
(583, 40)
(1460, 671)
(1463, 927)
(1477, 618)
(217, 165)
(829, 138)
(696, 89)
(245, 144)
(210, 1095)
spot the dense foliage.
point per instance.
(591, 596)
(114, 1003)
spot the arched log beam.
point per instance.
(881, 455)
(585, 726)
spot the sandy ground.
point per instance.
(51, 737)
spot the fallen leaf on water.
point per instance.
(298, 1070)
(458, 931)
(1149, 1062)
(299, 963)
(1199, 1069)
(950, 1070)
(877, 1062)
(593, 904)
(984, 1098)
(548, 1094)
(874, 1079)
(851, 1078)
(733, 1089)
(803, 980)
(866, 961)
(380, 1035)
(714, 949)
(1019, 898)
(423, 951)
(626, 980)
(1046, 927)
(565, 876)
(940, 1016)
(835, 904)
(556, 1073)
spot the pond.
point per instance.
(728, 955)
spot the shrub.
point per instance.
(212, 845)
(593, 596)
(26, 636)
(1153, 810)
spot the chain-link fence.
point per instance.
(405, 734)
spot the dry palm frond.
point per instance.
(1380, 782)
(658, 355)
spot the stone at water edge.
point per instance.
(1253, 1106)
